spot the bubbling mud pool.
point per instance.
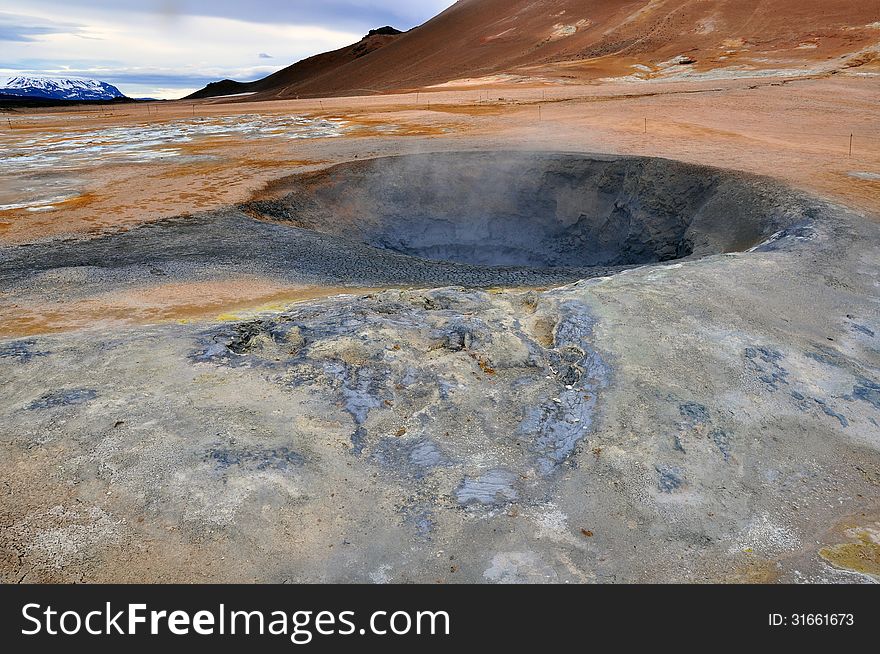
(464, 219)
(540, 211)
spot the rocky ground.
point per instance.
(702, 420)
(187, 397)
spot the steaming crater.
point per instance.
(455, 219)
(534, 210)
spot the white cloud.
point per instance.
(160, 54)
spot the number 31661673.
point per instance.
(811, 620)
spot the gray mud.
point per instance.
(710, 413)
(537, 210)
(466, 219)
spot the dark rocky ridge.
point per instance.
(317, 66)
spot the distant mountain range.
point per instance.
(58, 88)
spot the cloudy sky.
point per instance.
(169, 48)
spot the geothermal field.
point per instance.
(594, 299)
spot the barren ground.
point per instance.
(246, 427)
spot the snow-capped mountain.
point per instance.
(59, 88)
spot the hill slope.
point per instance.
(316, 66)
(576, 40)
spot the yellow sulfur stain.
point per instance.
(176, 302)
(291, 298)
(862, 556)
(755, 572)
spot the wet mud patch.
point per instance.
(492, 488)
(765, 361)
(256, 458)
(773, 369)
(670, 479)
(698, 429)
(148, 142)
(20, 351)
(868, 391)
(414, 458)
(446, 392)
(63, 398)
(553, 429)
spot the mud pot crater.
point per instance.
(473, 219)
(535, 210)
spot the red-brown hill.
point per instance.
(565, 40)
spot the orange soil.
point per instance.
(562, 40)
(158, 303)
(797, 131)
